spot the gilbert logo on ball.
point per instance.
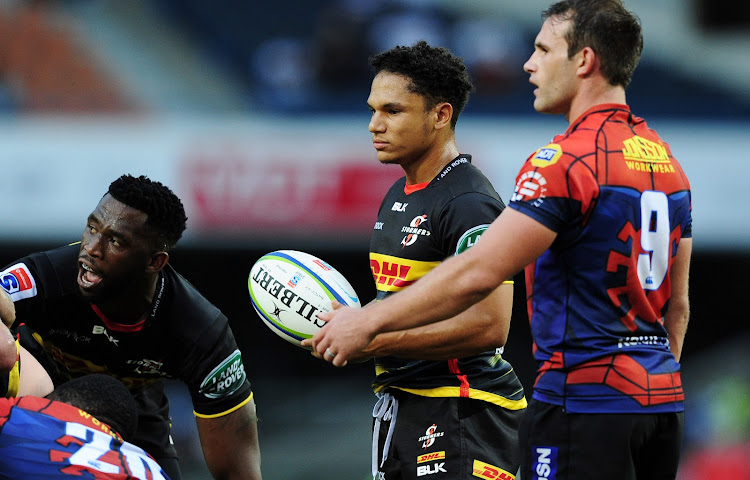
(289, 289)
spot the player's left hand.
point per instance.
(343, 337)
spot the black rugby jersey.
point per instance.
(413, 234)
(183, 336)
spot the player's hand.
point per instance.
(343, 337)
(309, 343)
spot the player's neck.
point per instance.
(130, 307)
(592, 95)
(424, 169)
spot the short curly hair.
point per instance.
(104, 397)
(435, 74)
(164, 210)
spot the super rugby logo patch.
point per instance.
(18, 282)
(226, 378)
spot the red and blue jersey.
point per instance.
(42, 439)
(620, 203)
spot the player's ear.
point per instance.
(587, 61)
(443, 114)
(157, 261)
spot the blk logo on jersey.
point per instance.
(545, 463)
(99, 330)
(414, 231)
(399, 207)
(423, 470)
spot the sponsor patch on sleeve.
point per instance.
(546, 156)
(225, 379)
(18, 282)
(470, 238)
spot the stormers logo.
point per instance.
(490, 472)
(414, 231)
(470, 238)
(226, 378)
(430, 435)
(546, 156)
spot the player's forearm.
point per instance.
(483, 326)
(678, 313)
(431, 342)
(676, 322)
(8, 350)
(7, 308)
(230, 444)
(428, 300)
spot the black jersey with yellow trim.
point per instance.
(413, 234)
(183, 336)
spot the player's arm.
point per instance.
(678, 313)
(7, 308)
(8, 350)
(230, 444)
(512, 241)
(483, 326)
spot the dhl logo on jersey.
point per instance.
(428, 457)
(490, 472)
(643, 155)
(392, 274)
(546, 156)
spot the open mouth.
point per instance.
(87, 277)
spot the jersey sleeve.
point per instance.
(215, 374)
(464, 219)
(554, 188)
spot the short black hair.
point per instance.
(435, 74)
(609, 29)
(164, 210)
(104, 397)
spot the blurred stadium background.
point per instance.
(254, 113)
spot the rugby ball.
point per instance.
(289, 289)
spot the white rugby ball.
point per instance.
(289, 289)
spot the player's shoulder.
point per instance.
(52, 272)
(192, 311)
(461, 176)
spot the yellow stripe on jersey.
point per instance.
(227, 412)
(392, 274)
(473, 393)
